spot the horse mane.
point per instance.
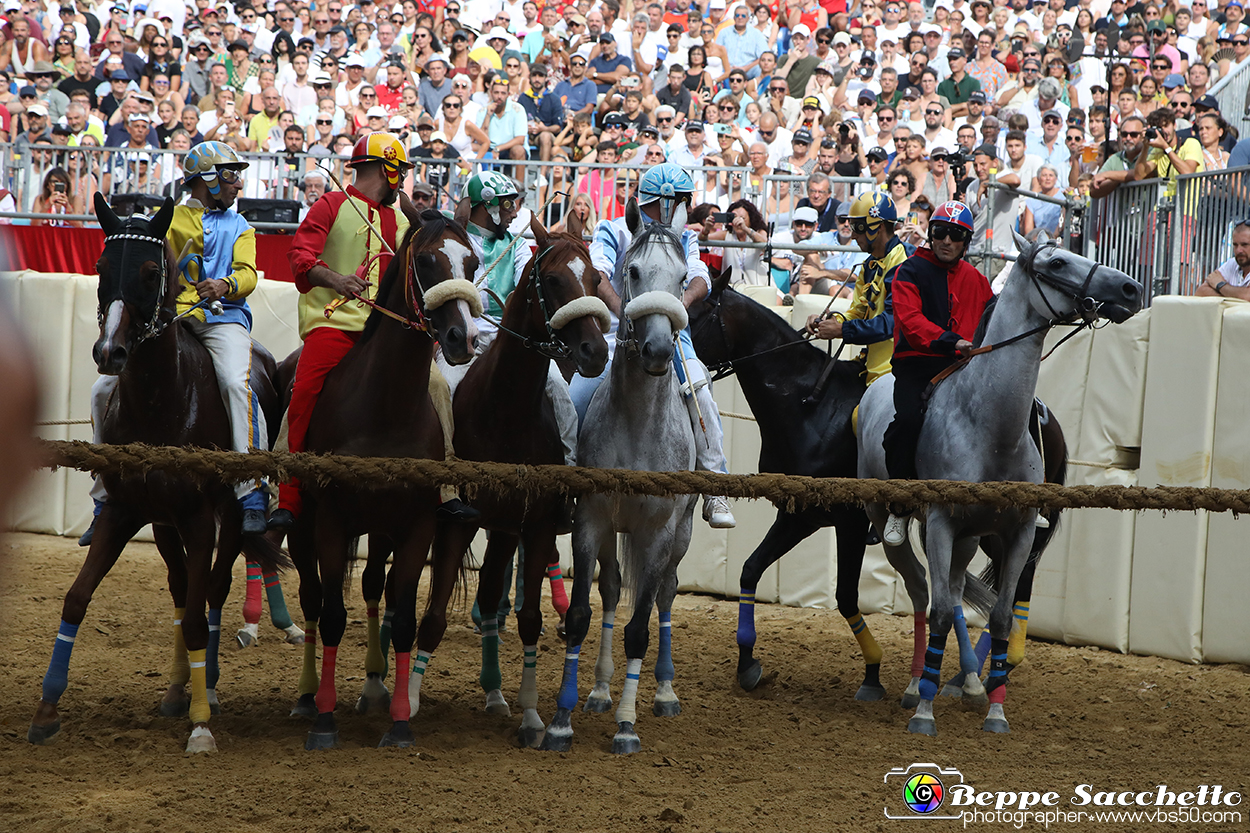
(984, 324)
(652, 230)
(434, 224)
(786, 334)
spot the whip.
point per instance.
(338, 302)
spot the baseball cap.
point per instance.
(238, 44)
(806, 214)
(1173, 81)
(1207, 102)
(1031, 62)
(867, 95)
(813, 101)
(716, 4)
(986, 150)
(1157, 25)
(977, 97)
(133, 117)
(397, 122)
(804, 136)
(614, 118)
(37, 110)
(650, 130)
(694, 126)
(844, 207)
(801, 29)
(911, 93)
(842, 37)
(376, 111)
(354, 60)
(877, 155)
(606, 37)
(421, 186)
(27, 92)
(119, 75)
(956, 52)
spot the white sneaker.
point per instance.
(716, 513)
(895, 532)
(1041, 522)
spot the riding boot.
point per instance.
(709, 442)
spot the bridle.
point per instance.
(726, 367)
(552, 347)
(154, 325)
(625, 329)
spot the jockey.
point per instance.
(938, 301)
(870, 319)
(493, 203)
(662, 188)
(212, 237)
(337, 254)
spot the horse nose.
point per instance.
(1131, 290)
(591, 357)
(109, 360)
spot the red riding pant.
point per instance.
(324, 348)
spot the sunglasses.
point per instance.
(942, 231)
(768, 134)
(824, 41)
(844, 219)
(664, 120)
(450, 106)
(885, 119)
(325, 121)
(1130, 134)
(933, 112)
(1240, 41)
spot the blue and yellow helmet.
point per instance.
(874, 207)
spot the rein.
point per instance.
(552, 347)
(421, 323)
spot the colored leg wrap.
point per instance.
(57, 678)
(278, 614)
(867, 644)
(180, 671)
(374, 664)
(326, 694)
(200, 710)
(308, 674)
(528, 698)
(664, 662)
(996, 683)
(918, 643)
(1019, 631)
(626, 712)
(746, 618)
(559, 597)
(400, 706)
(932, 667)
(251, 602)
(418, 674)
(567, 699)
(966, 657)
(214, 644)
(490, 678)
(983, 650)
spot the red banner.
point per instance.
(76, 250)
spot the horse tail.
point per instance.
(632, 566)
(981, 592)
(271, 557)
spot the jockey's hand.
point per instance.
(212, 290)
(346, 285)
(963, 346)
(826, 328)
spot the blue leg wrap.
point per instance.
(983, 650)
(57, 678)
(966, 658)
(95, 511)
(254, 500)
(567, 698)
(212, 669)
(932, 666)
(664, 662)
(746, 618)
(998, 665)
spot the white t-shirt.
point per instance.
(1231, 272)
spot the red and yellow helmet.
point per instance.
(385, 148)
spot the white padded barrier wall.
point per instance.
(1226, 616)
(1169, 555)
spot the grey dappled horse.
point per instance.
(637, 420)
(976, 430)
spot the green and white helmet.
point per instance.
(488, 187)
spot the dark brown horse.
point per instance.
(166, 394)
(503, 414)
(376, 403)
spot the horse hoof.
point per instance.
(43, 735)
(366, 704)
(751, 676)
(177, 707)
(530, 737)
(909, 701)
(870, 693)
(321, 740)
(626, 741)
(495, 704)
(243, 639)
(952, 690)
(599, 700)
(400, 736)
(996, 725)
(214, 705)
(977, 701)
(666, 708)
(922, 726)
(559, 734)
(305, 706)
(294, 635)
(201, 740)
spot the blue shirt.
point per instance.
(602, 64)
(546, 108)
(1240, 154)
(576, 96)
(745, 48)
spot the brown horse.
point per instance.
(504, 415)
(166, 394)
(376, 403)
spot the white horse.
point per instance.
(637, 420)
(976, 430)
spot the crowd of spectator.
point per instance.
(930, 103)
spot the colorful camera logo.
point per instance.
(923, 793)
(922, 789)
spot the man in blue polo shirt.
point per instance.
(608, 67)
(577, 93)
(744, 43)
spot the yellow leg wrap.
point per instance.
(374, 663)
(855, 421)
(200, 710)
(308, 680)
(1019, 630)
(440, 395)
(867, 644)
(179, 670)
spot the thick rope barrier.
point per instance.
(791, 491)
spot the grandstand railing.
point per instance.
(1232, 92)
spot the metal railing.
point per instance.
(1127, 230)
(1208, 207)
(1072, 223)
(1233, 94)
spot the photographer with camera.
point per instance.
(1166, 157)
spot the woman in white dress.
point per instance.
(460, 132)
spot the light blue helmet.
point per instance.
(666, 182)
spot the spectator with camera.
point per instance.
(57, 197)
(1166, 157)
(1121, 166)
(608, 67)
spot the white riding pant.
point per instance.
(557, 390)
(230, 346)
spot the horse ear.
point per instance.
(633, 217)
(109, 221)
(679, 218)
(574, 226)
(461, 214)
(720, 281)
(410, 210)
(540, 233)
(1023, 244)
(160, 223)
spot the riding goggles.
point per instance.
(943, 231)
(230, 176)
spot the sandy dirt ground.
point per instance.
(799, 754)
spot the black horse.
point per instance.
(804, 415)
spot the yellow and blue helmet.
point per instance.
(873, 208)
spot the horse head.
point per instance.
(565, 285)
(138, 282)
(1067, 285)
(655, 269)
(710, 326)
(441, 264)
